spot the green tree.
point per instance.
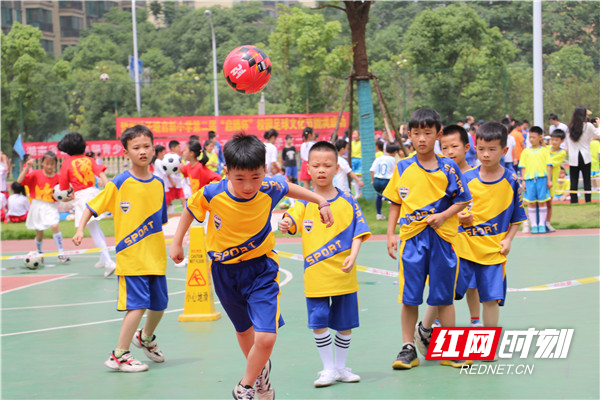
(159, 64)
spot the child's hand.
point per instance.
(436, 220)
(176, 253)
(348, 264)
(360, 182)
(78, 238)
(392, 246)
(505, 247)
(549, 184)
(326, 215)
(285, 224)
(465, 218)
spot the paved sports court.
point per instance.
(59, 325)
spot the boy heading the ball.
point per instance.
(240, 245)
(136, 199)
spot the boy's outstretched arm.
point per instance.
(85, 218)
(176, 249)
(298, 192)
(436, 220)
(392, 245)
(507, 241)
(348, 263)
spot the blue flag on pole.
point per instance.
(18, 147)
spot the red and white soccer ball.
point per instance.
(247, 69)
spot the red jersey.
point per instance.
(199, 175)
(80, 172)
(40, 186)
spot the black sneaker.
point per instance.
(407, 358)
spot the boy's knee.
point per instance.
(265, 340)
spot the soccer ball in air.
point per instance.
(247, 69)
(171, 164)
(33, 260)
(61, 195)
(104, 77)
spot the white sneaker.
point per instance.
(327, 377)
(99, 264)
(125, 363)
(151, 349)
(422, 339)
(182, 264)
(380, 217)
(477, 324)
(264, 390)
(110, 269)
(346, 375)
(526, 227)
(550, 228)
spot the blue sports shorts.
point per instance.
(536, 190)
(335, 312)
(357, 166)
(145, 291)
(427, 254)
(490, 281)
(250, 294)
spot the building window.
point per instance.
(70, 26)
(74, 5)
(40, 18)
(48, 46)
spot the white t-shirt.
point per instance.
(160, 172)
(304, 149)
(3, 174)
(510, 143)
(270, 157)
(17, 205)
(383, 167)
(177, 178)
(340, 180)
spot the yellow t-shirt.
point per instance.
(535, 162)
(594, 152)
(356, 149)
(556, 159)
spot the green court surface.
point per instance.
(57, 334)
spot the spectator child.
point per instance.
(308, 138)
(340, 180)
(18, 207)
(382, 170)
(557, 157)
(272, 165)
(288, 155)
(198, 174)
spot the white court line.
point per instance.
(37, 283)
(288, 278)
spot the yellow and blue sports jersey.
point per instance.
(421, 192)
(238, 229)
(325, 249)
(535, 162)
(356, 149)
(139, 208)
(556, 159)
(496, 205)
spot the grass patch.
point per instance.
(576, 216)
(19, 231)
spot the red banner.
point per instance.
(226, 125)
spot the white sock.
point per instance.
(98, 238)
(58, 239)
(342, 345)
(323, 341)
(38, 245)
(543, 215)
(532, 212)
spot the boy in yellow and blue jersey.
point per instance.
(557, 157)
(595, 154)
(330, 283)
(136, 199)
(490, 223)
(426, 191)
(240, 244)
(535, 168)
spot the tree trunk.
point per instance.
(358, 16)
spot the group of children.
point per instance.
(456, 228)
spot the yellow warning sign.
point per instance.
(199, 302)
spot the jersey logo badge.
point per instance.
(218, 222)
(308, 224)
(470, 206)
(125, 206)
(403, 191)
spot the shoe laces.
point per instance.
(244, 393)
(407, 350)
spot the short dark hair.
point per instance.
(493, 130)
(392, 148)
(17, 189)
(158, 148)
(195, 147)
(559, 133)
(340, 144)
(51, 155)
(72, 143)
(135, 131)
(380, 145)
(323, 146)
(212, 134)
(270, 133)
(537, 129)
(245, 152)
(451, 129)
(553, 116)
(173, 144)
(425, 117)
(288, 137)
(194, 137)
(307, 131)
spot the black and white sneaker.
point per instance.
(422, 339)
(241, 392)
(151, 349)
(407, 358)
(264, 390)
